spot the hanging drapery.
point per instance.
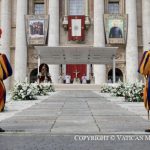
(76, 28)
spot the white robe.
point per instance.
(67, 78)
(84, 79)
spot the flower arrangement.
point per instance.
(29, 91)
(120, 90)
(134, 92)
(107, 89)
(23, 91)
(43, 88)
(131, 92)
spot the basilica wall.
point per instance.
(89, 38)
(88, 33)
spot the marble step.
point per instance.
(92, 87)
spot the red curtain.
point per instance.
(71, 68)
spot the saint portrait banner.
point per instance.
(115, 28)
(76, 28)
(36, 29)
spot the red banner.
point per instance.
(76, 28)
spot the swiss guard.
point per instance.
(144, 69)
(5, 72)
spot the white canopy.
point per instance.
(76, 55)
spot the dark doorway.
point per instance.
(119, 75)
(33, 75)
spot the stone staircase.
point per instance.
(91, 87)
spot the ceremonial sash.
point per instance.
(5, 67)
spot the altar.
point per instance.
(76, 80)
(64, 55)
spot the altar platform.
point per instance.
(90, 87)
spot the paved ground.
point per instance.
(72, 120)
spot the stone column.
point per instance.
(132, 44)
(66, 12)
(6, 26)
(146, 24)
(53, 36)
(99, 39)
(6, 31)
(64, 69)
(87, 21)
(21, 45)
(88, 71)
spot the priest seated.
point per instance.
(61, 78)
(92, 78)
(67, 79)
(84, 79)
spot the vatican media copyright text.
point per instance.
(112, 137)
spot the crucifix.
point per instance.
(76, 72)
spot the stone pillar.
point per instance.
(64, 69)
(99, 39)
(53, 36)
(65, 19)
(21, 45)
(6, 32)
(132, 44)
(87, 21)
(6, 26)
(88, 71)
(146, 24)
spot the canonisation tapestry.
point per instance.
(115, 28)
(36, 29)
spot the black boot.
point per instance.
(1, 130)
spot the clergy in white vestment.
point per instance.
(67, 79)
(84, 79)
(61, 78)
(92, 78)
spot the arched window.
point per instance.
(33, 75)
(114, 7)
(37, 7)
(119, 75)
(76, 7)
